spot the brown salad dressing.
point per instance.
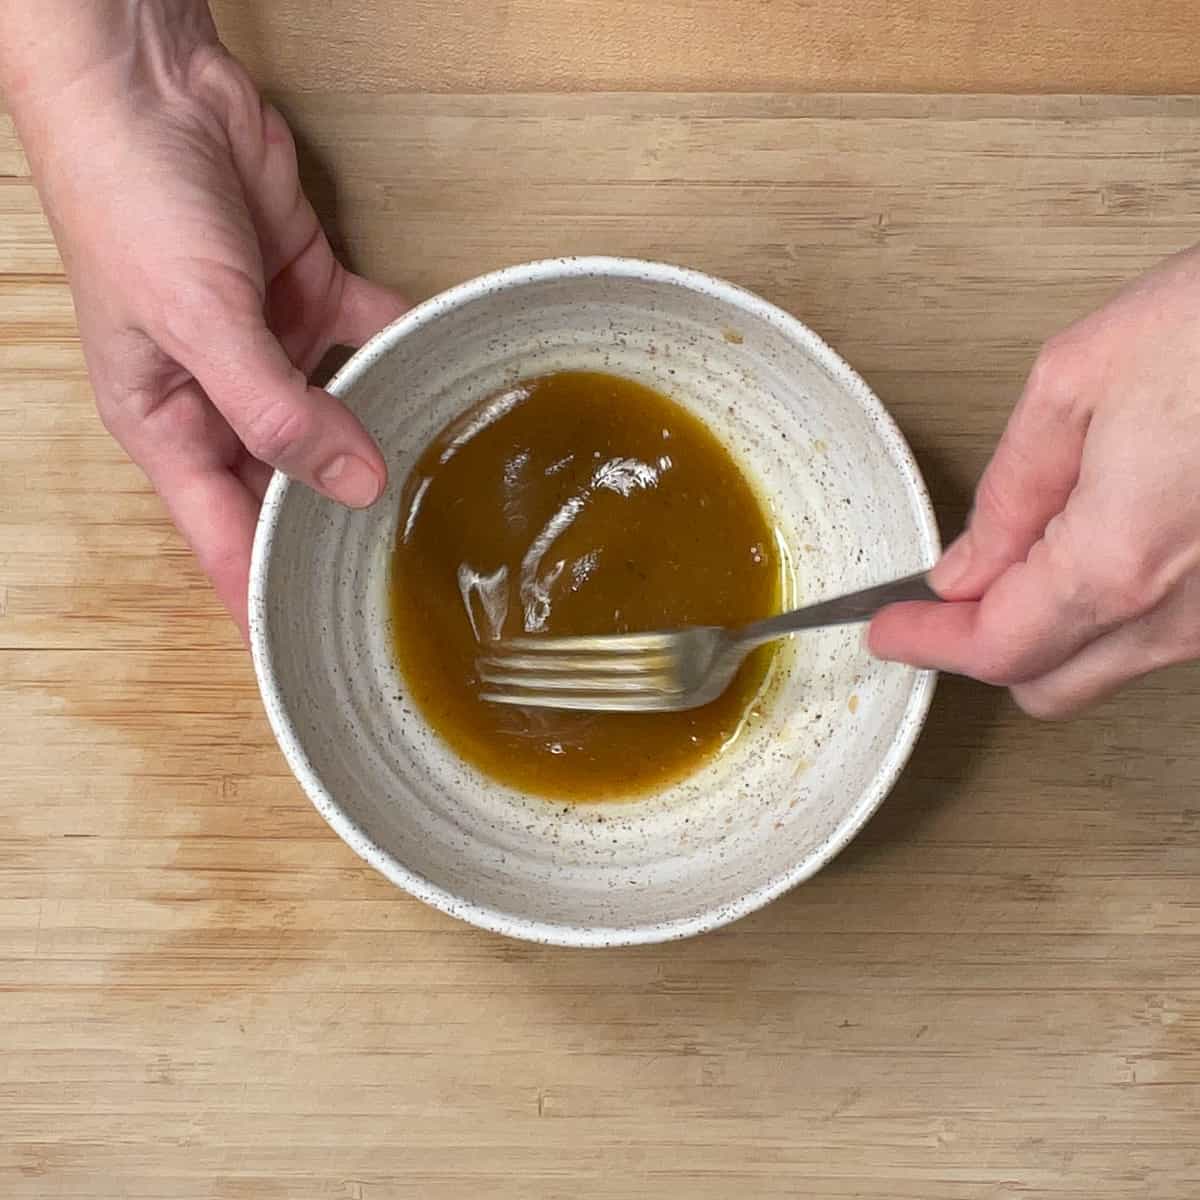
(576, 503)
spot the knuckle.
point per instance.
(1102, 587)
(1000, 669)
(276, 131)
(276, 433)
(1057, 372)
(231, 91)
(1000, 663)
(153, 429)
(126, 410)
(1186, 649)
(1122, 588)
(217, 77)
(208, 302)
(996, 501)
(1042, 703)
(1170, 636)
(180, 328)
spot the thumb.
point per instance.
(1026, 484)
(298, 429)
(1038, 615)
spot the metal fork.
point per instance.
(660, 672)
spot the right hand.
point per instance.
(206, 292)
(1080, 569)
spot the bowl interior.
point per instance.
(837, 726)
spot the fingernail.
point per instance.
(953, 567)
(350, 481)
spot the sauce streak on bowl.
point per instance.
(576, 503)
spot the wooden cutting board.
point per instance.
(1134, 46)
(992, 994)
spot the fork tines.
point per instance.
(627, 671)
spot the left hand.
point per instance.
(205, 289)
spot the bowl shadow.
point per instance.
(784, 945)
(319, 184)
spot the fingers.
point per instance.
(358, 308)
(1097, 672)
(263, 154)
(217, 514)
(1030, 621)
(1028, 481)
(280, 419)
(1165, 635)
(254, 474)
(365, 309)
(193, 459)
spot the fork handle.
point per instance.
(843, 610)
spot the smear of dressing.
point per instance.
(576, 503)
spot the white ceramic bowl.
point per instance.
(851, 509)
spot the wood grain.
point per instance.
(1134, 46)
(992, 994)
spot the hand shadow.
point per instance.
(714, 1000)
(320, 186)
(961, 720)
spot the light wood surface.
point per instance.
(1135, 46)
(992, 995)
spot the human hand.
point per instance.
(204, 287)
(1080, 567)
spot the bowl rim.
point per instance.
(497, 920)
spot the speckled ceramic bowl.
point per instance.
(837, 729)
